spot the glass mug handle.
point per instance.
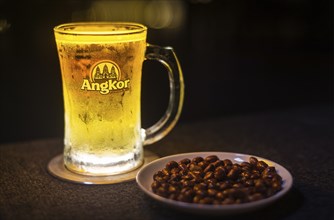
(167, 57)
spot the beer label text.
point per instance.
(105, 77)
(105, 87)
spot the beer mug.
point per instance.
(101, 68)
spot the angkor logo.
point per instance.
(105, 70)
(105, 77)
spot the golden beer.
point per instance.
(101, 68)
(101, 87)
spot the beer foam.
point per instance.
(100, 32)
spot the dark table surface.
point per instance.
(300, 139)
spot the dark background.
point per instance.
(238, 57)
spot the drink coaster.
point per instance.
(57, 169)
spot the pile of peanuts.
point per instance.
(210, 180)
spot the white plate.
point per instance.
(144, 179)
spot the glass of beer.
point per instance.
(101, 68)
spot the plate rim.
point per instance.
(207, 208)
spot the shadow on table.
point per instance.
(278, 210)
